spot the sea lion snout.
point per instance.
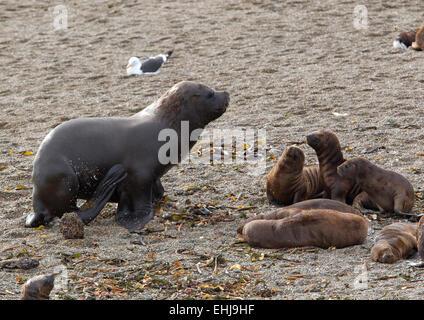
(223, 102)
(387, 256)
(313, 140)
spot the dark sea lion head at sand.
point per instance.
(118, 159)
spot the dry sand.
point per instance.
(291, 67)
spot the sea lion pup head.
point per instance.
(350, 168)
(322, 139)
(384, 253)
(193, 102)
(418, 44)
(292, 160)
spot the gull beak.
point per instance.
(128, 66)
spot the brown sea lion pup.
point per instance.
(300, 206)
(418, 44)
(330, 156)
(289, 181)
(318, 227)
(38, 287)
(389, 190)
(394, 242)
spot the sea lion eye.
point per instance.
(210, 94)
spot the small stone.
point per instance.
(71, 226)
(38, 287)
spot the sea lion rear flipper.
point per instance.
(103, 193)
(410, 216)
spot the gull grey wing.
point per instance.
(152, 65)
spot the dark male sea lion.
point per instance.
(394, 242)
(389, 190)
(289, 181)
(322, 228)
(119, 159)
(300, 206)
(330, 156)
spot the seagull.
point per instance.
(147, 65)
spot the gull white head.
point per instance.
(134, 66)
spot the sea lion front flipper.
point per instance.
(157, 190)
(103, 193)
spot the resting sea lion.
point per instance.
(390, 191)
(119, 159)
(394, 242)
(289, 181)
(418, 44)
(300, 206)
(329, 153)
(318, 227)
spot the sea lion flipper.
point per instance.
(135, 207)
(103, 193)
(157, 190)
(410, 216)
(134, 220)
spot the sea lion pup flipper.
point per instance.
(394, 242)
(289, 181)
(363, 203)
(103, 193)
(319, 228)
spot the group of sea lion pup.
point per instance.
(349, 188)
